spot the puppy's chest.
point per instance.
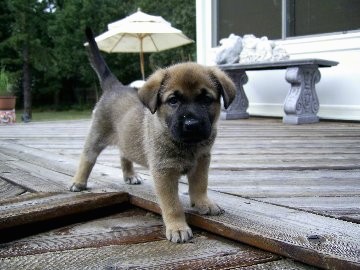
(181, 159)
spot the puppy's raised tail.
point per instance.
(96, 60)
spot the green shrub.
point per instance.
(5, 84)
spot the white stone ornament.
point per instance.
(279, 53)
(229, 50)
(248, 53)
(261, 50)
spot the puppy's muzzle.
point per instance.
(191, 125)
(193, 130)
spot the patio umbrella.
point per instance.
(141, 32)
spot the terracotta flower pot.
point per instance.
(7, 102)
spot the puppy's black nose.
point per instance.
(191, 124)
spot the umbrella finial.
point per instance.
(139, 9)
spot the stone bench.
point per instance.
(301, 104)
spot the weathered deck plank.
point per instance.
(131, 239)
(346, 208)
(45, 206)
(287, 183)
(282, 230)
(131, 226)
(8, 190)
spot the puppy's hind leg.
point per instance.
(130, 177)
(94, 144)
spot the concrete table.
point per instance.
(301, 104)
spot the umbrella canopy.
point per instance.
(141, 32)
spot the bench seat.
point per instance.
(301, 103)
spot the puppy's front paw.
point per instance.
(207, 207)
(179, 234)
(77, 187)
(133, 180)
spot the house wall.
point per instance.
(338, 89)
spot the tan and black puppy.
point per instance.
(169, 126)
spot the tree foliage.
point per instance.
(52, 32)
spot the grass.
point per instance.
(56, 115)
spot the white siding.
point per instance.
(338, 89)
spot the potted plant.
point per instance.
(7, 98)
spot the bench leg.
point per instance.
(237, 109)
(302, 104)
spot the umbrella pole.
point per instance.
(142, 65)
(142, 59)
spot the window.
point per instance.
(307, 17)
(285, 18)
(259, 17)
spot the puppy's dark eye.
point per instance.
(207, 100)
(173, 100)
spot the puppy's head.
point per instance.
(187, 98)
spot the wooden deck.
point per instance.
(291, 195)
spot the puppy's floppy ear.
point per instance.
(149, 92)
(224, 84)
